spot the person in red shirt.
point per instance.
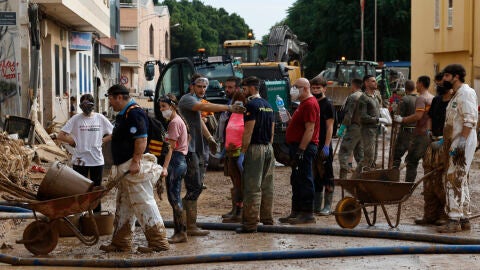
(302, 137)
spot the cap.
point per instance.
(117, 89)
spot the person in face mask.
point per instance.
(433, 187)
(459, 143)
(175, 165)
(87, 132)
(323, 168)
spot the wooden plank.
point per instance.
(42, 134)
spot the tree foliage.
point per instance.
(331, 28)
(202, 26)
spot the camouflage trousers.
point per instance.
(352, 142)
(401, 146)
(416, 151)
(369, 136)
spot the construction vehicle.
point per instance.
(278, 70)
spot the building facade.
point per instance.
(446, 32)
(144, 36)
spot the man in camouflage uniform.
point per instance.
(420, 141)
(369, 109)
(433, 189)
(460, 140)
(350, 130)
(405, 108)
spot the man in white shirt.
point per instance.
(87, 132)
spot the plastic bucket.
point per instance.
(62, 181)
(104, 221)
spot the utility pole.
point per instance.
(375, 35)
(362, 7)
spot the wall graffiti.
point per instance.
(10, 69)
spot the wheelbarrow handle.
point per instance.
(425, 176)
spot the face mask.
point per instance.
(448, 85)
(87, 107)
(319, 95)
(441, 90)
(167, 114)
(294, 93)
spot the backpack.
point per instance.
(156, 143)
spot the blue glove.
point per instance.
(437, 145)
(326, 150)
(240, 160)
(341, 131)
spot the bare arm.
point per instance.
(65, 137)
(273, 131)
(307, 135)
(413, 117)
(247, 135)
(210, 107)
(168, 157)
(107, 138)
(205, 131)
(139, 149)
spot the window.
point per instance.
(57, 70)
(64, 70)
(450, 14)
(151, 39)
(436, 22)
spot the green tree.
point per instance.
(331, 28)
(202, 27)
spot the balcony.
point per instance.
(84, 15)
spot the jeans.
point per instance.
(194, 176)
(96, 174)
(303, 189)
(176, 171)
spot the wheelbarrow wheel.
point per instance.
(40, 237)
(347, 213)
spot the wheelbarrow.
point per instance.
(41, 236)
(372, 193)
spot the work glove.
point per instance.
(297, 159)
(429, 134)
(437, 145)
(326, 151)
(458, 154)
(237, 108)
(341, 131)
(212, 145)
(398, 118)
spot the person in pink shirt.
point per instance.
(175, 165)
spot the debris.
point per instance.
(50, 153)
(6, 246)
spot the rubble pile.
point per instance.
(15, 158)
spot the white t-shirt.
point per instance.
(87, 132)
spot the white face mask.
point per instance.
(294, 93)
(167, 114)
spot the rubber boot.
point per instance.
(266, 210)
(317, 202)
(121, 240)
(180, 229)
(343, 173)
(157, 239)
(287, 219)
(326, 211)
(236, 217)
(249, 219)
(465, 224)
(303, 218)
(191, 217)
(229, 214)
(452, 226)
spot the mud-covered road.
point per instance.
(215, 201)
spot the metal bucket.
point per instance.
(62, 181)
(104, 221)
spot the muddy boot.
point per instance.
(465, 224)
(180, 230)
(229, 214)
(287, 219)
(430, 206)
(326, 211)
(452, 226)
(303, 218)
(121, 240)
(236, 217)
(249, 219)
(157, 239)
(317, 202)
(191, 217)
(344, 173)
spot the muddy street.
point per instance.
(215, 201)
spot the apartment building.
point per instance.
(445, 32)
